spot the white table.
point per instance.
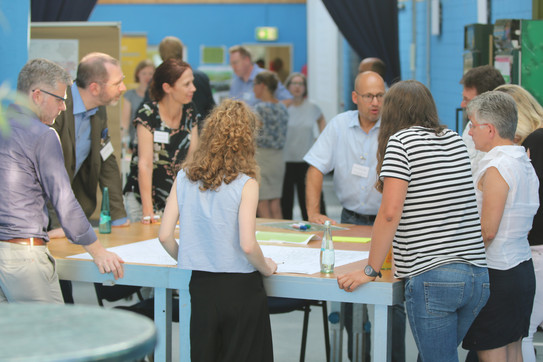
(164, 279)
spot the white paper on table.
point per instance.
(307, 260)
(142, 252)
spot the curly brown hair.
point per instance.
(226, 147)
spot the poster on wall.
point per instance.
(64, 52)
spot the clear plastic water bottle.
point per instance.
(105, 217)
(328, 256)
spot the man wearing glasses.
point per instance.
(348, 146)
(83, 132)
(30, 157)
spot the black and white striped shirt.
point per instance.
(440, 223)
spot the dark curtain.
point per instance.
(61, 10)
(371, 28)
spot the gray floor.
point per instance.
(287, 328)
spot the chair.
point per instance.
(278, 305)
(115, 292)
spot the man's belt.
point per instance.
(29, 241)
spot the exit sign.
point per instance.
(266, 33)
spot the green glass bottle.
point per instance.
(105, 217)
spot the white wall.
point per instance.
(323, 59)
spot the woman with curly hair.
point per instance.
(214, 197)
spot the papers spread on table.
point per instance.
(290, 259)
(142, 252)
(306, 260)
(273, 237)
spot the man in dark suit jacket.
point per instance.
(83, 133)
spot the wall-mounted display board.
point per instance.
(102, 37)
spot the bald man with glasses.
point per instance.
(348, 146)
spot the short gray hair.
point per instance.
(498, 109)
(41, 72)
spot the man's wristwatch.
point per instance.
(369, 271)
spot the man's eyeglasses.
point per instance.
(472, 125)
(368, 97)
(51, 94)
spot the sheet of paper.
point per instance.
(142, 252)
(306, 260)
(272, 237)
(289, 259)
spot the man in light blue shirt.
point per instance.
(348, 146)
(245, 72)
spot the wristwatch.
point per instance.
(369, 271)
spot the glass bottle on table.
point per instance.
(328, 256)
(105, 217)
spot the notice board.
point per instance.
(102, 37)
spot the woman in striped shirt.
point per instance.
(429, 215)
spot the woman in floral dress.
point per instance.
(167, 133)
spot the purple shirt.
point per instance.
(32, 171)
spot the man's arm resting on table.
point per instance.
(106, 261)
(313, 189)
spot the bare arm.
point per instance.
(384, 229)
(106, 261)
(247, 227)
(145, 171)
(313, 189)
(166, 234)
(194, 139)
(321, 122)
(495, 191)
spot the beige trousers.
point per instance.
(28, 274)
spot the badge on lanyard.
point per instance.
(106, 148)
(161, 137)
(359, 170)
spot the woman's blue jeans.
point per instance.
(441, 305)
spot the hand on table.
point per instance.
(125, 224)
(272, 266)
(150, 219)
(350, 281)
(320, 219)
(108, 262)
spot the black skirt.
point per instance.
(506, 316)
(229, 318)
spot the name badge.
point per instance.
(161, 137)
(106, 151)
(359, 170)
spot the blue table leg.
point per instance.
(382, 328)
(336, 332)
(163, 317)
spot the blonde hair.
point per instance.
(530, 112)
(226, 147)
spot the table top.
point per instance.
(62, 248)
(57, 332)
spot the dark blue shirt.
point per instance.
(32, 171)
